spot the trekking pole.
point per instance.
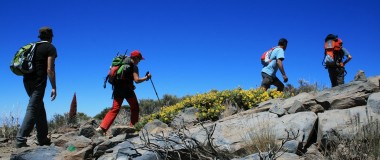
(153, 87)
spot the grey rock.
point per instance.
(87, 131)
(374, 103)
(185, 118)
(276, 109)
(43, 152)
(360, 76)
(346, 96)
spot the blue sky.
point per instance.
(190, 46)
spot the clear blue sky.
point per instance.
(190, 46)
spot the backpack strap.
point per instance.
(105, 81)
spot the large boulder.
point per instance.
(335, 125)
(347, 95)
(231, 135)
(374, 103)
(43, 152)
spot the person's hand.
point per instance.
(341, 64)
(148, 75)
(285, 78)
(53, 94)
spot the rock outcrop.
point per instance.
(302, 124)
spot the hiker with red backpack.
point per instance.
(333, 60)
(272, 63)
(123, 88)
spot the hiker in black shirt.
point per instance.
(124, 89)
(35, 85)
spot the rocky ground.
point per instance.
(306, 112)
(7, 147)
(6, 151)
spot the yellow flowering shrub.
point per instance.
(211, 104)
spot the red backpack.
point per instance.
(265, 57)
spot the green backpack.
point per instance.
(121, 65)
(22, 62)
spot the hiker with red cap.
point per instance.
(333, 60)
(124, 89)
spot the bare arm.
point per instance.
(281, 67)
(137, 79)
(349, 57)
(51, 75)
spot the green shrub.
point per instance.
(59, 120)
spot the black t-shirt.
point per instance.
(124, 87)
(40, 62)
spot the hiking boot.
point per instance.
(100, 131)
(46, 142)
(20, 145)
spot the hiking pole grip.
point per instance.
(146, 75)
(153, 87)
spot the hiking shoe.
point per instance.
(100, 130)
(46, 142)
(20, 145)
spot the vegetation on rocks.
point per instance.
(211, 104)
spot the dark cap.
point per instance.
(137, 53)
(45, 32)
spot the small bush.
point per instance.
(59, 120)
(364, 145)
(10, 124)
(304, 86)
(260, 139)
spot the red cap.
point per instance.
(137, 53)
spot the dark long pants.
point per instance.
(35, 113)
(268, 80)
(336, 75)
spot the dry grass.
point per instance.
(365, 145)
(9, 125)
(260, 138)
